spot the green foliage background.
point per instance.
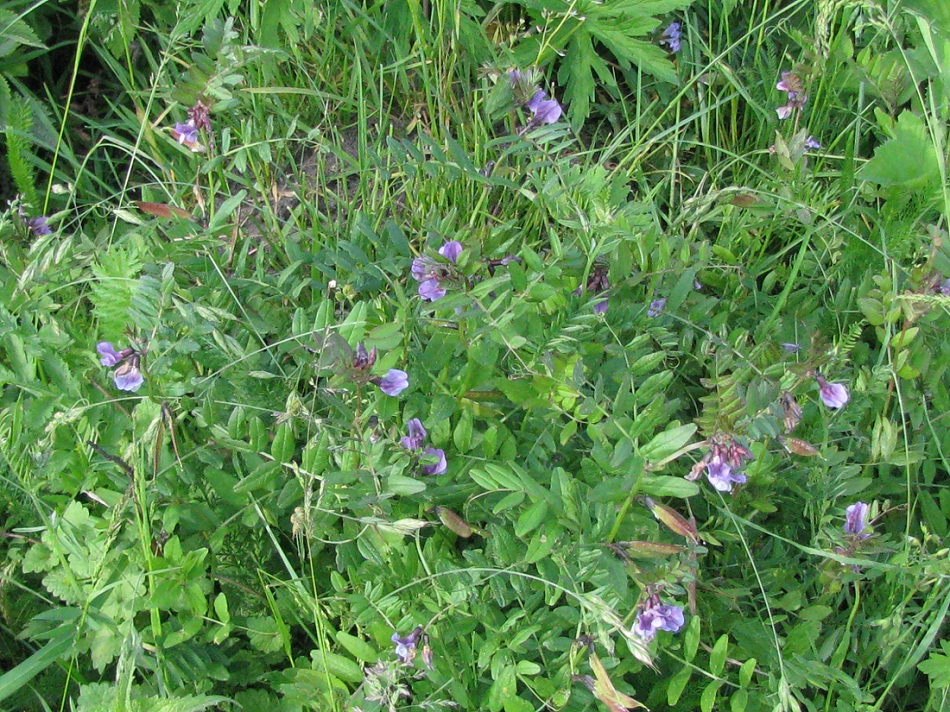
(247, 531)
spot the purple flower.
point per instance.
(363, 360)
(430, 274)
(653, 617)
(416, 437)
(944, 287)
(108, 356)
(597, 283)
(792, 348)
(722, 463)
(795, 101)
(833, 395)
(722, 476)
(421, 268)
(416, 440)
(186, 134)
(812, 144)
(543, 110)
(856, 520)
(127, 376)
(431, 290)
(791, 83)
(671, 36)
(393, 383)
(656, 307)
(38, 226)
(406, 647)
(451, 250)
(546, 111)
(440, 464)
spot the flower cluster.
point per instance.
(653, 616)
(187, 133)
(392, 384)
(656, 307)
(722, 463)
(535, 100)
(433, 276)
(415, 441)
(671, 36)
(791, 84)
(597, 283)
(38, 226)
(406, 647)
(127, 376)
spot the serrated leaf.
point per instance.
(937, 667)
(646, 56)
(908, 159)
(578, 70)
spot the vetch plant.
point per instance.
(671, 36)
(855, 524)
(37, 226)
(433, 276)
(406, 647)
(722, 464)
(791, 84)
(415, 441)
(535, 100)
(654, 616)
(833, 395)
(393, 383)
(127, 376)
(187, 133)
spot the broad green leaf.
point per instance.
(358, 647)
(668, 442)
(908, 159)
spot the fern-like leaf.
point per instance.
(19, 121)
(112, 292)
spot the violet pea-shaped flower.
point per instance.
(108, 356)
(722, 476)
(437, 467)
(417, 435)
(406, 647)
(431, 290)
(546, 111)
(451, 250)
(393, 383)
(833, 395)
(658, 617)
(856, 520)
(127, 376)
